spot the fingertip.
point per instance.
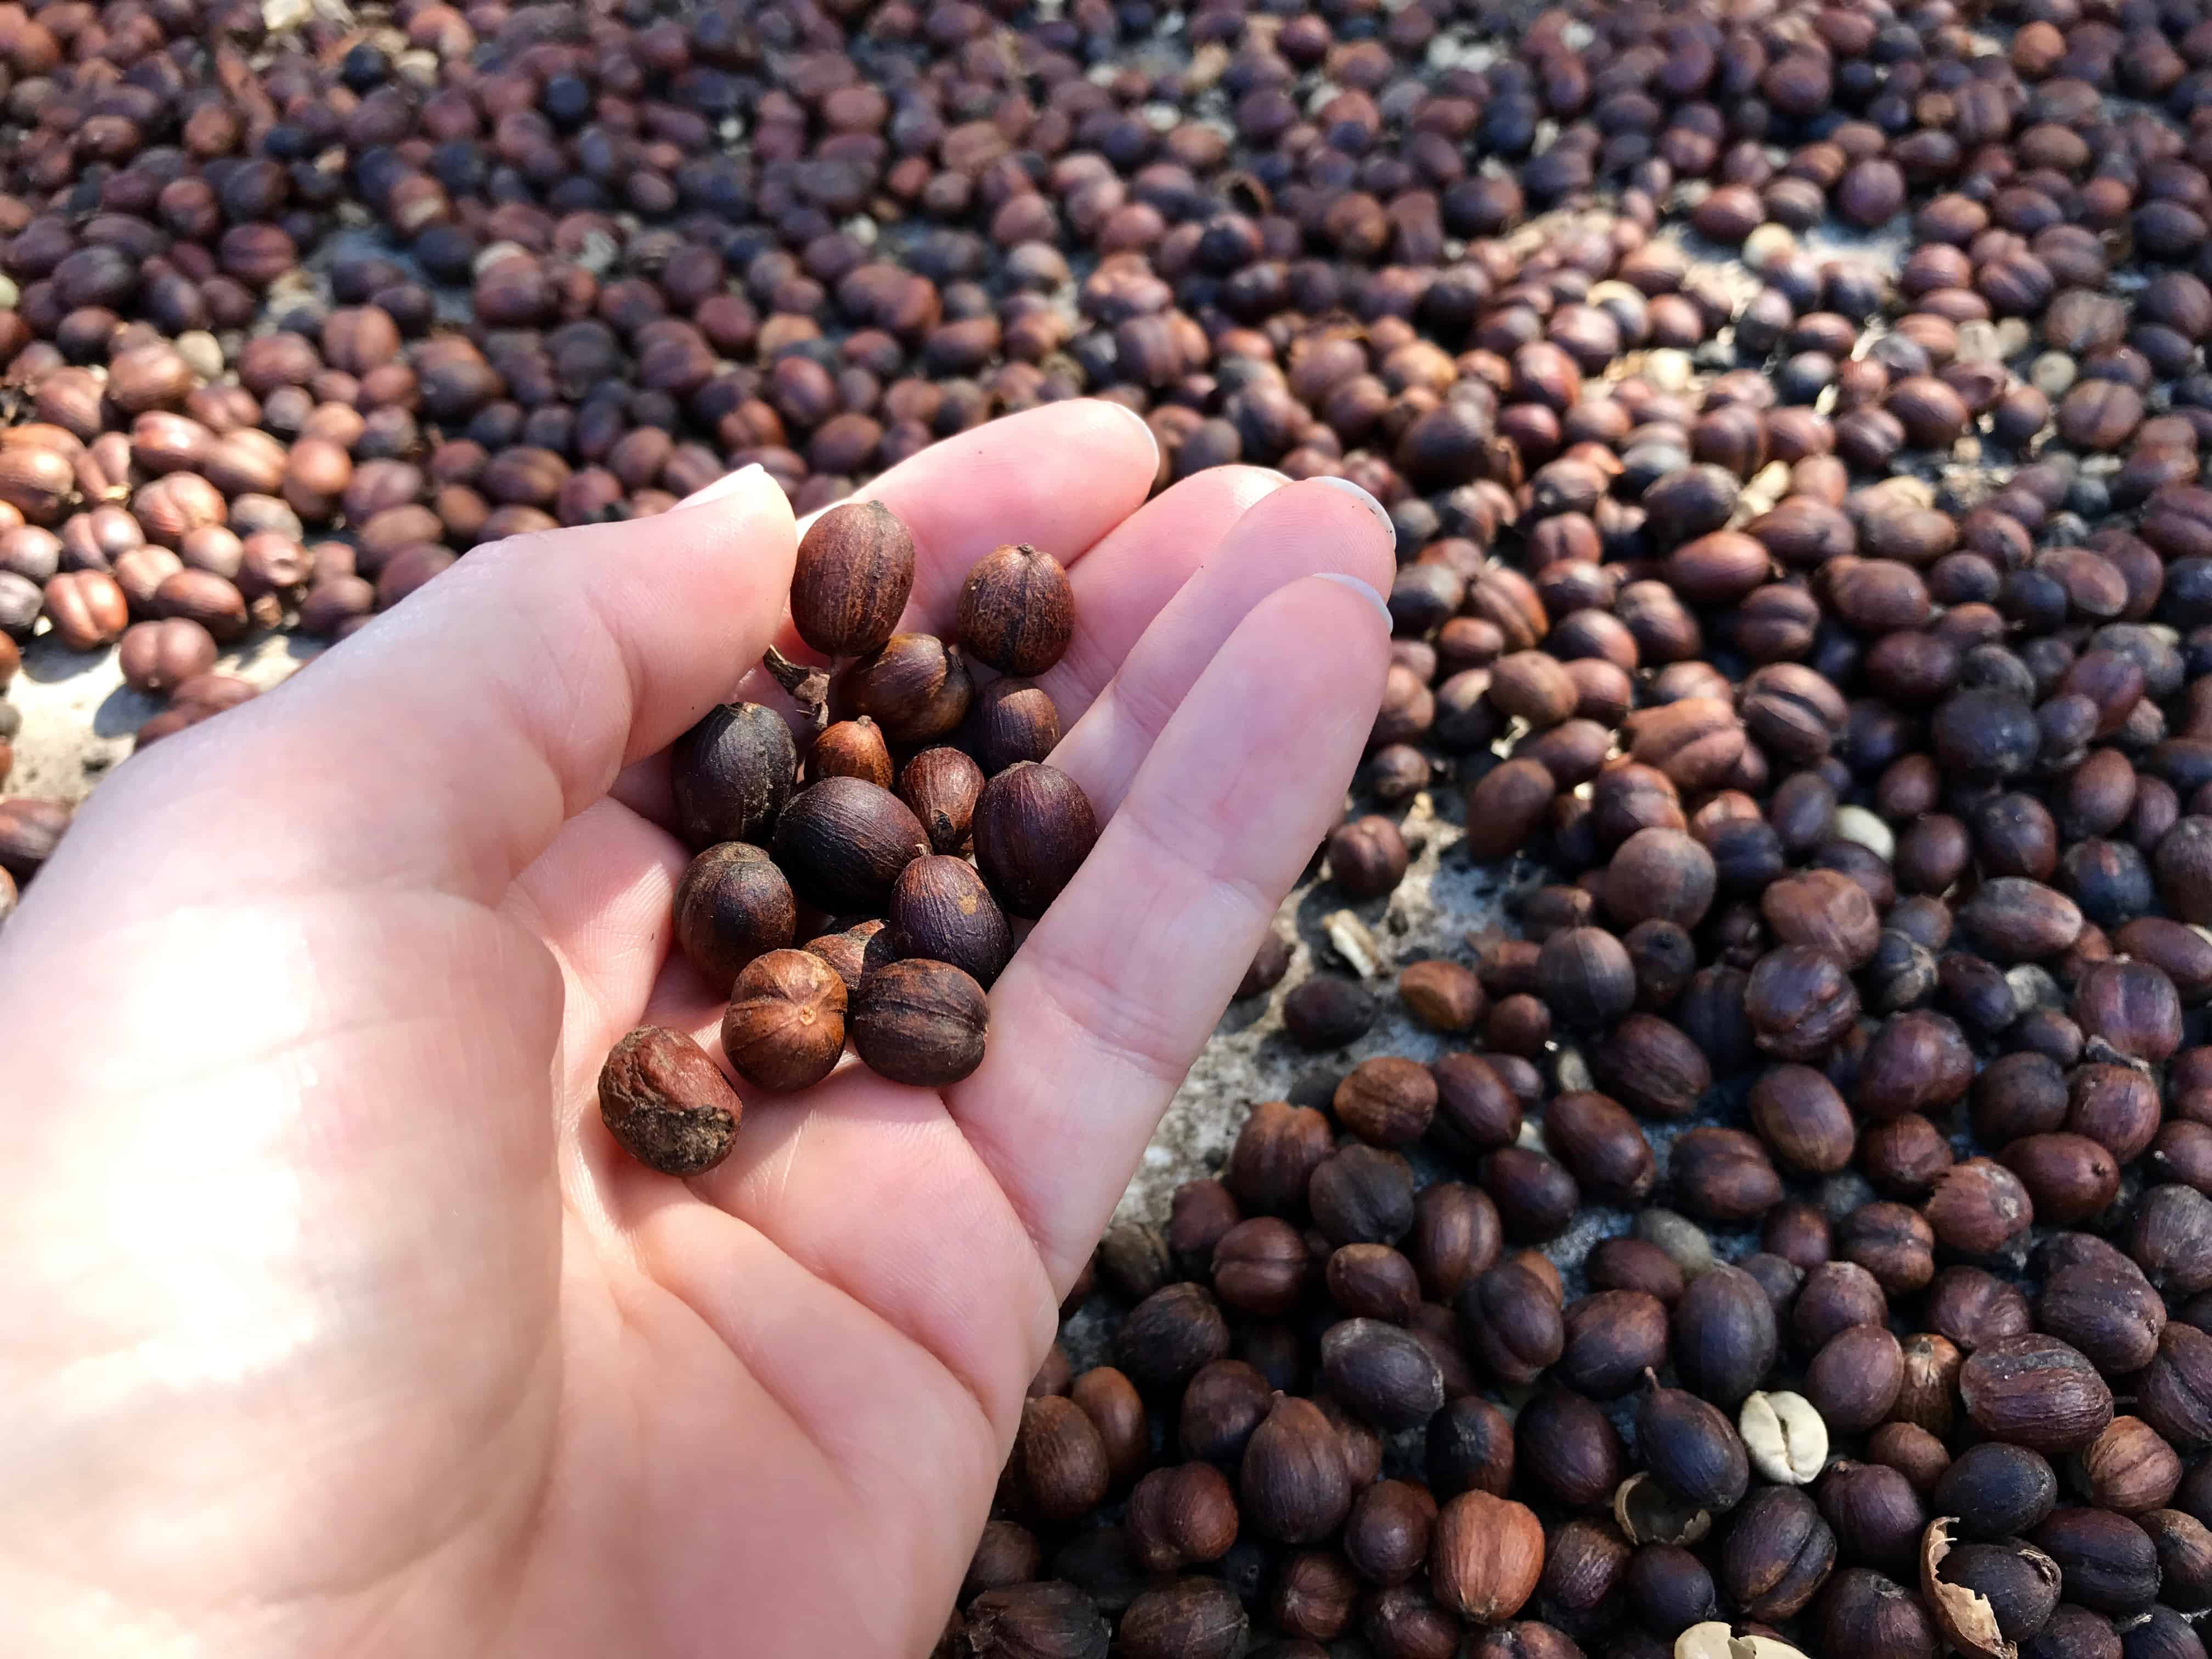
(1111, 439)
(1346, 635)
(1312, 527)
(1192, 516)
(728, 484)
(1351, 630)
(1353, 584)
(1370, 539)
(1118, 445)
(747, 505)
(1374, 508)
(1246, 483)
(739, 526)
(1123, 412)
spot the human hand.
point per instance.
(336, 1320)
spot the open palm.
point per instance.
(336, 1323)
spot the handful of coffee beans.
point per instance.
(864, 896)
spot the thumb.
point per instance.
(445, 744)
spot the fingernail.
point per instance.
(1382, 514)
(1142, 424)
(724, 485)
(1389, 623)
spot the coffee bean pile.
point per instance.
(1823, 627)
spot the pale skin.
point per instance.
(337, 1324)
